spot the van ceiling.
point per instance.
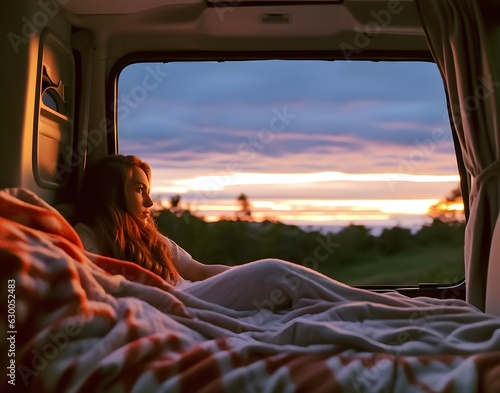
(351, 28)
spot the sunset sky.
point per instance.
(309, 143)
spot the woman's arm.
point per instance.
(189, 268)
(196, 271)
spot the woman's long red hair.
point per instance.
(101, 205)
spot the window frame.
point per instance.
(442, 291)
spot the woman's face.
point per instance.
(137, 195)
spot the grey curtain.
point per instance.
(464, 37)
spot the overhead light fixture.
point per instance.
(276, 18)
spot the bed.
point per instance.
(79, 322)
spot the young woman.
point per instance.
(114, 219)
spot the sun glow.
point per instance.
(207, 196)
(318, 211)
(220, 182)
(406, 206)
(452, 207)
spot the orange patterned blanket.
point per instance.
(77, 322)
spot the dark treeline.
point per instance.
(238, 242)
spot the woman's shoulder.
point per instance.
(82, 227)
(176, 249)
(83, 230)
(181, 257)
(87, 236)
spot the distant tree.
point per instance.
(354, 241)
(175, 205)
(393, 240)
(245, 212)
(449, 209)
(440, 233)
(175, 200)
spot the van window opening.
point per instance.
(347, 167)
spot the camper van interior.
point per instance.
(275, 130)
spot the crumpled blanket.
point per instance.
(86, 323)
